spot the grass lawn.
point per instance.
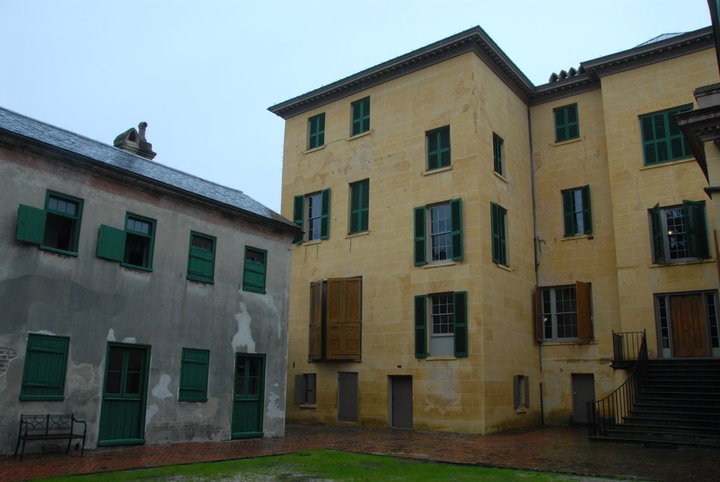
(324, 466)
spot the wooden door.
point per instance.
(247, 416)
(583, 391)
(347, 396)
(689, 327)
(401, 402)
(122, 419)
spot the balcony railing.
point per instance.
(626, 347)
(611, 411)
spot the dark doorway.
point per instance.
(348, 396)
(122, 418)
(583, 391)
(401, 402)
(247, 416)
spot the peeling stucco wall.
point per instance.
(94, 302)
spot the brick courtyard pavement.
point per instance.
(559, 449)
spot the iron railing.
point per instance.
(626, 347)
(609, 412)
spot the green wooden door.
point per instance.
(248, 396)
(122, 417)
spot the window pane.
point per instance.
(60, 232)
(202, 242)
(440, 232)
(676, 235)
(314, 210)
(442, 311)
(137, 250)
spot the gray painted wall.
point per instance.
(93, 301)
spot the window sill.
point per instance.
(187, 400)
(578, 236)
(355, 235)
(436, 171)
(314, 149)
(310, 406)
(667, 163)
(200, 281)
(441, 358)
(504, 267)
(569, 342)
(682, 263)
(567, 141)
(43, 398)
(250, 289)
(69, 254)
(311, 242)
(439, 264)
(132, 267)
(358, 136)
(501, 177)
(521, 411)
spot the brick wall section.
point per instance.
(6, 355)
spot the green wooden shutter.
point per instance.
(30, 224)
(325, 215)
(658, 237)
(365, 205)
(201, 258)
(456, 219)
(586, 210)
(111, 243)
(495, 225)
(359, 206)
(45, 365)
(420, 327)
(460, 325)
(694, 212)
(573, 130)
(569, 213)
(298, 215)
(559, 125)
(354, 208)
(420, 250)
(254, 270)
(433, 156)
(194, 375)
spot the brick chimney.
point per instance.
(133, 140)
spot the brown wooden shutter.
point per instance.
(584, 311)
(315, 338)
(344, 317)
(537, 314)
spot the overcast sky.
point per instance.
(203, 73)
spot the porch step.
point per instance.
(678, 402)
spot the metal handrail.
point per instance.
(607, 413)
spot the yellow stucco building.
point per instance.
(473, 241)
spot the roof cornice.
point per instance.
(477, 40)
(471, 40)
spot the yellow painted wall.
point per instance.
(472, 394)
(636, 188)
(565, 260)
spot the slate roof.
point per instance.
(115, 159)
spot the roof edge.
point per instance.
(473, 39)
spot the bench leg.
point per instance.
(67, 449)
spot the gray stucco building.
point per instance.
(149, 302)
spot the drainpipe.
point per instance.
(536, 245)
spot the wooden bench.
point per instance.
(50, 427)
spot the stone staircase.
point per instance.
(676, 402)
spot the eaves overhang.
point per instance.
(24, 134)
(651, 53)
(477, 40)
(472, 40)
